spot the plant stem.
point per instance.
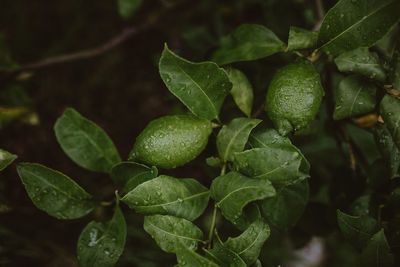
(211, 233)
(214, 216)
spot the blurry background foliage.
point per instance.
(121, 91)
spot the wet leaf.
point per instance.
(165, 195)
(285, 209)
(388, 148)
(189, 258)
(248, 42)
(233, 137)
(6, 158)
(301, 39)
(130, 174)
(54, 192)
(357, 229)
(248, 245)
(377, 253)
(390, 112)
(361, 61)
(201, 87)
(224, 256)
(168, 231)
(85, 142)
(354, 96)
(233, 191)
(101, 244)
(282, 164)
(354, 23)
(242, 91)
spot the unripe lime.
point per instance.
(171, 141)
(294, 96)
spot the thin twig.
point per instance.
(258, 111)
(107, 46)
(320, 14)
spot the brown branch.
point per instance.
(107, 46)
(320, 15)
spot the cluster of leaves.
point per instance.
(263, 175)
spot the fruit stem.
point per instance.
(211, 233)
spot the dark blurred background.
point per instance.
(120, 90)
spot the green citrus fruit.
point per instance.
(171, 141)
(294, 96)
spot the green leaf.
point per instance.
(242, 91)
(357, 229)
(248, 42)
(294, 96)
(262, 137)
(248, 245)
(189, 258)
(6, 158)
(354, 23)
(233, 137)
(362, 61)
(390, 152)
(101, 244)
(250, 214)
(172, 141)
(377, 253)
(168, 231)
(224, 256)
(285, 209)
(213, 162)
(390, 112)
(127, 8)
(85, 142)
(201, 87)
(301, 39)
(185, 198)
(233, 191)
(54, 192)
(130, 174)
(279, 163)
(395, 64)
(354, 96)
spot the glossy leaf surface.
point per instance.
(280, 163)
(233, 137)
(248, 245)
(54, 192)
(357, 229)
(101, 244)
(85, 142)
(248, 42)
(6, 158)
(263, 137)
(224, 256)
(171, 141)
(185, 198)
(354, 96)
(201, 87)
(285, 209)
(233, 191)
(168, 231)
(355, 23)
(388, 148)
(130, 174)
(390, 112)
(189, 258)
(301, 39)
(242, 91)
(250, 214)
(361, 61)
(294, 96)
(377, 252)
